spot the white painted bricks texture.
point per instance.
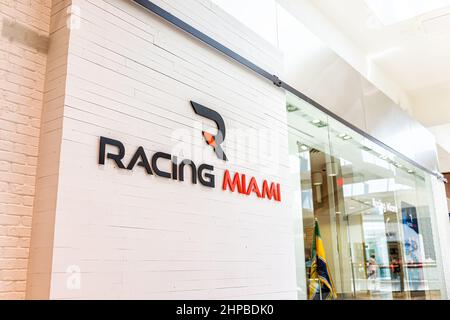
(24, 28)
(124, 234)
(41, 246)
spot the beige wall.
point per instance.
(431, 106)
(24, 28)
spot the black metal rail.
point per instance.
(273, 78)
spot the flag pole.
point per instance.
(320, 290)
(316, 221)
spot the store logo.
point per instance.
(168, 166)
(239, 184)
(175, 169)
(214, 141)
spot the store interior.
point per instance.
(375, 211)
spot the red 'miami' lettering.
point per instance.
(238, 182)
(253, 187)
(274, 191)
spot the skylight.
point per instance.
(395, 11)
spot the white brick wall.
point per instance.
(22, 70)
(41, 247)
(131, 76)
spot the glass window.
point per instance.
(374, 211)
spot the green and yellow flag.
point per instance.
(321, 286)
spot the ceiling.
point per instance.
(408, 39)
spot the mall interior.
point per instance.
(352, 103)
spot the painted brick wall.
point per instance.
(24, 29)
(47, 175)
(123, 234)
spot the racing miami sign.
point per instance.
(203, 173)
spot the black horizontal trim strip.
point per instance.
(273, 78)
(353, 127)
(206, 39)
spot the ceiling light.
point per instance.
(344, 136)
(291, 108)
(319, 123)
(383, 157)
(304, 147)
(410, 171)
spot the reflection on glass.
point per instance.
(375, 210)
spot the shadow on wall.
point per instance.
(20, 33)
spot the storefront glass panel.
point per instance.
(375, 211)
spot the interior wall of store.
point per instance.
(444, 157)
(125, 234)
(437, 99)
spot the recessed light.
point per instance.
(383, 157)
(304, 147)
(291, 108)
(344, 136)
(410, 171)
(319, 123)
